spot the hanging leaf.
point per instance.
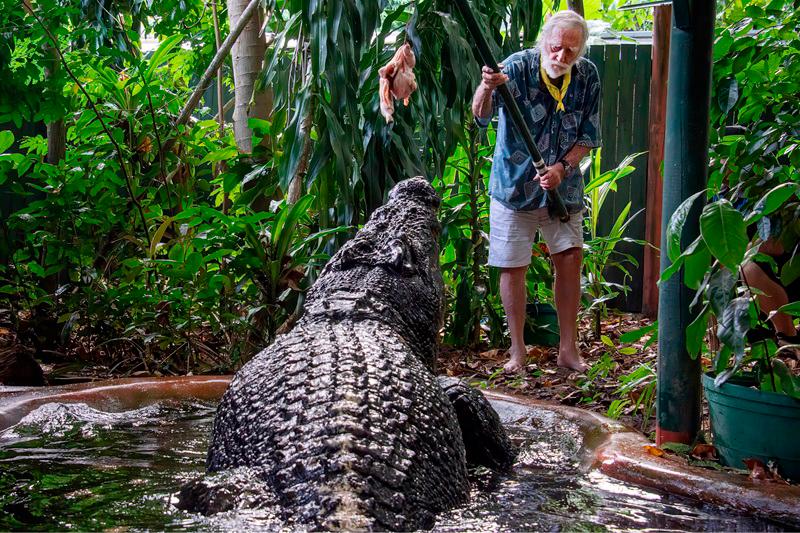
(771, 201)
(725, 233)
(696, 265)
(790, 271)
(676, 223)
(734, 325)
(720, 290)
(727, 94)
(6, 140)
(696, 333)
(789, 384)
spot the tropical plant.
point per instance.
(600, 251)
(464, 216)
(172, 246)
(753, 191)
(637, 392)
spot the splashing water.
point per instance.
(68, 466)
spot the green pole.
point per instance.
(685, 173)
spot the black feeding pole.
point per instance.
(555, 202)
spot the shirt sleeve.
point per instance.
(510, 69)
(589, 129)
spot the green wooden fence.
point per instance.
(624, 67)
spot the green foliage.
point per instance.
(464, 214)
(623, 20)
(637, 391)
(753, 187)
(188, 258)
(600, 251)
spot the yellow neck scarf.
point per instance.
(555, 92)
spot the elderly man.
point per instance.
(558, 91)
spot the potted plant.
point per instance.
(754, 210)
(753, 396)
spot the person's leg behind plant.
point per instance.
(565, 242)
(771, 296)
(511, 235)
(513, 293)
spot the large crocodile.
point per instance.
(342, 423)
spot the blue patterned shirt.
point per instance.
(555, 132)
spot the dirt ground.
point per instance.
(611, 363)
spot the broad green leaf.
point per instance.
(193, 263)
(789, 384)
(672, 269)
(36, 269)
(163, 53)
(790, 271)
(725, 233)
(771, 201)
(676, 223)
(720, 290)
(734, 325)
(636, 334)
(695, 334)
(6, 140)
(696, 266)
(176, 253)
(792, 308)
(681, 260)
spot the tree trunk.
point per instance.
(296, 184)
(576, 6)
(248, 57)
(56, 131)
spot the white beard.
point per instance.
(554, 69)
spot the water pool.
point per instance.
(70, 466)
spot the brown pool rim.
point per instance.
(609, 446)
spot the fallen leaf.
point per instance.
(758, 470)
(490, 354)
(704, 451)
(654, 450)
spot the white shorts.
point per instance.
(512, 233)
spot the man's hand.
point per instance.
(482, 101)
(492, 79)
(552, 178)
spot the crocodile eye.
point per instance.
(400, 257)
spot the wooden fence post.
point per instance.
(662, 16)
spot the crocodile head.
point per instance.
(390, 270)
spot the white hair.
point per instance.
(567, 20)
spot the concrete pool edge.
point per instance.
(610, 447)
(619, 452)
(110, 395)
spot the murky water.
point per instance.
(72, 467)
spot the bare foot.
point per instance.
(569, 357)
(516, 363)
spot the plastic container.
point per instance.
(541, 325)
(748, 423)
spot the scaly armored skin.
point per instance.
(341, 423)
